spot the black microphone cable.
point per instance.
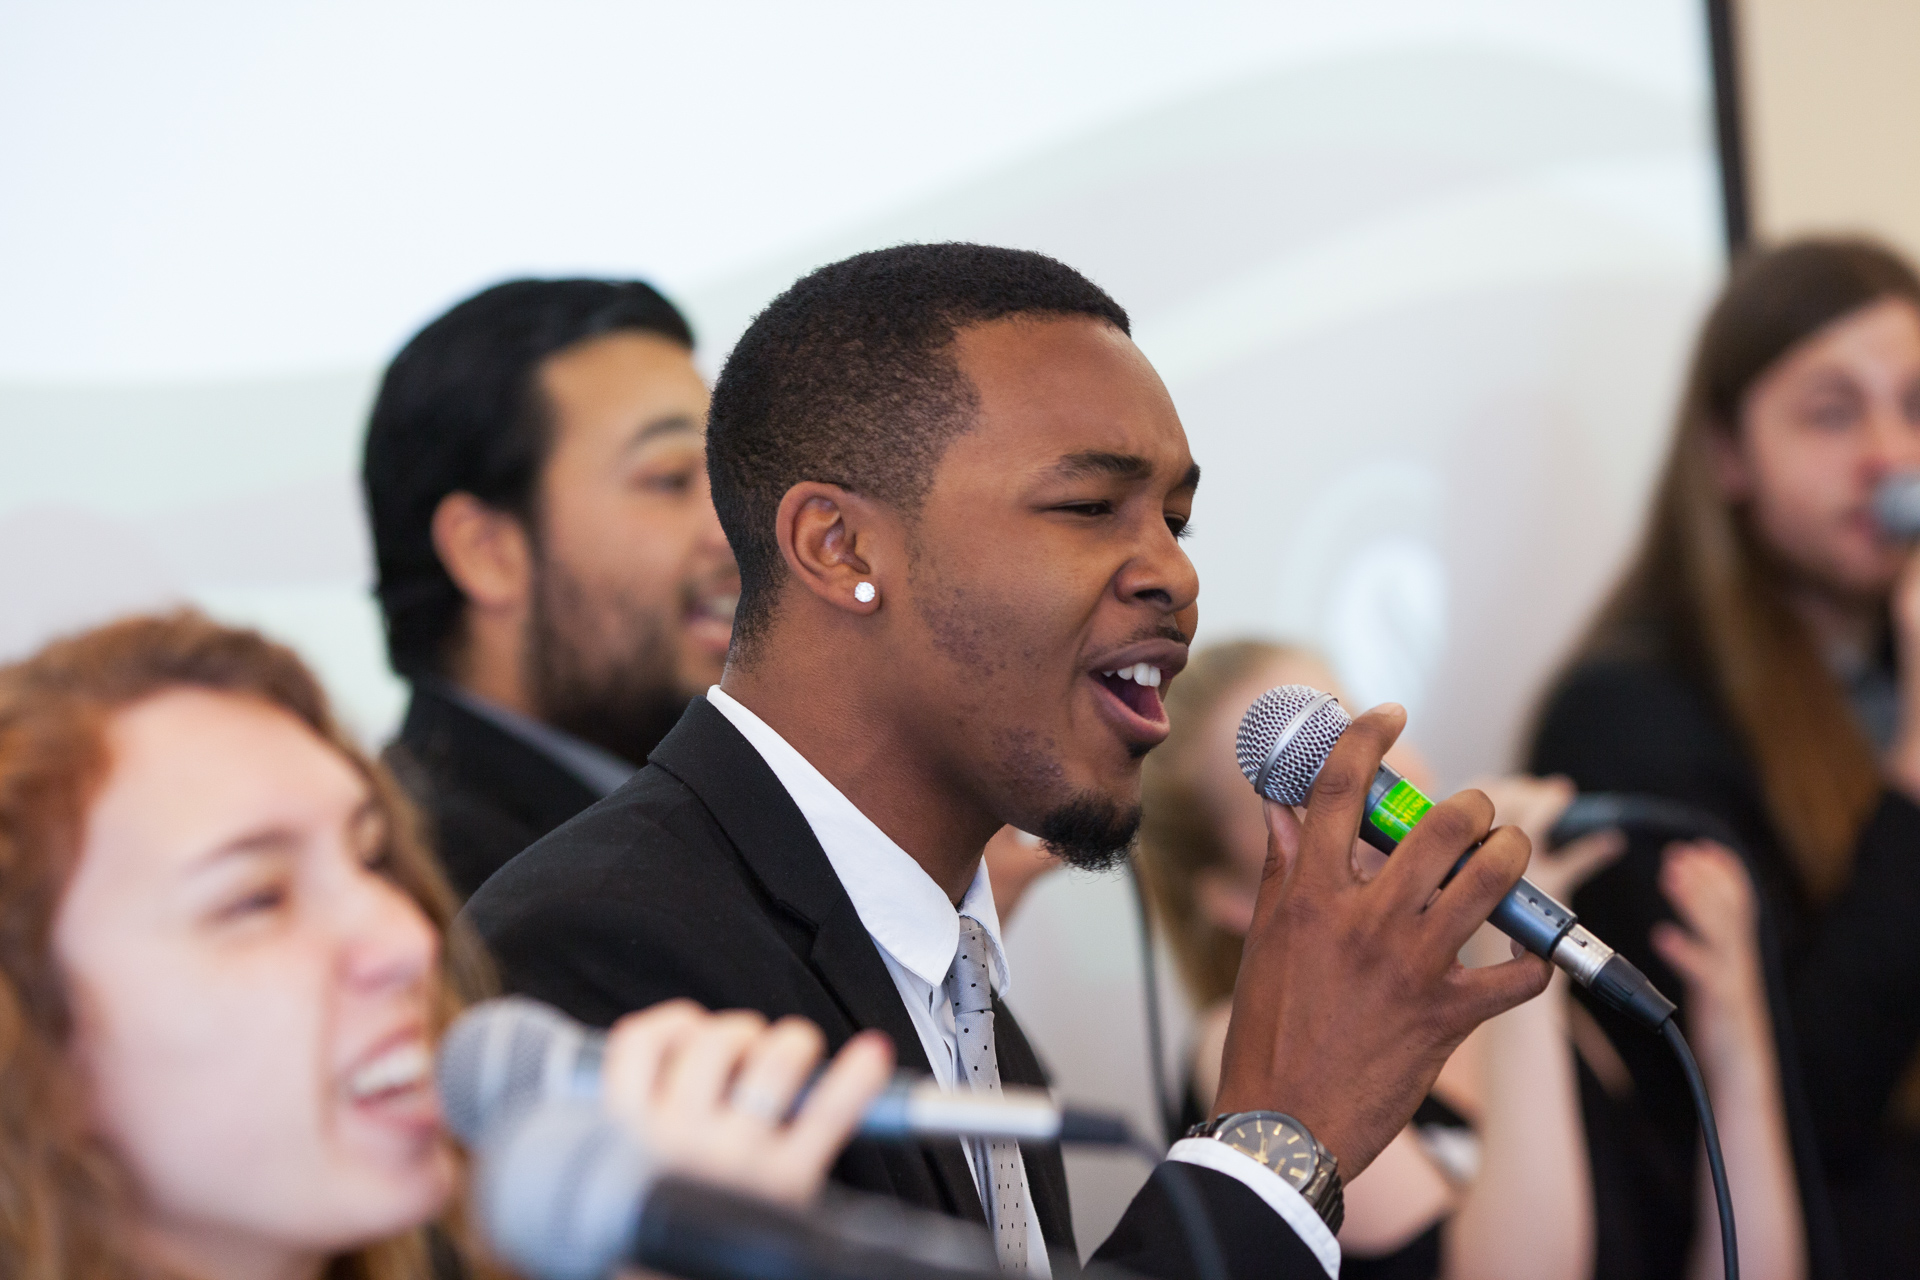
(1716, 1163)
(1166, 1106)
(1284, 741)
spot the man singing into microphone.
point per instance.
(956, 491)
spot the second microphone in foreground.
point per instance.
(505, 1055)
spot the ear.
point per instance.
(1727, 464)
(485, 551)
(832, 540)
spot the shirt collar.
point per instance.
(902, 908)
(599, 771)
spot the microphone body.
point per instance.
(503, 1055)
(1896, 505)
(1283, 741)
(564, 1193)
(1529, 915)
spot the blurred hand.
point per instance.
(1715, 947)
(1903, 757)
(1534, 805)
(709, 1093)
(1014, 861)
(1351, 995)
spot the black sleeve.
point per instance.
(1856, 996)
(1152, 1239)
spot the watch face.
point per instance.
(1280, 1147)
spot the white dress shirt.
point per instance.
(917, 931)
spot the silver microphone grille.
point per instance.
(502, 1055)
(559, 1190)
(1285, 737)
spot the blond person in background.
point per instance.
(225, 956)
(1491, 1179)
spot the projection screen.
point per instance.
(1419, 275)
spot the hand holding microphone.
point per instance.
(715, 1096)
(697, 1144)
(1896, 509)
(1351, 996)
(1289, 735)
(718, 1096)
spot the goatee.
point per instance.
(1091, 832)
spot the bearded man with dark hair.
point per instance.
(553, 581)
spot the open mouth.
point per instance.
(400, 1070)
(709, 614)
(1138, 689)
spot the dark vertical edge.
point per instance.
(1727, 121)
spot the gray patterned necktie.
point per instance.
(970, 989)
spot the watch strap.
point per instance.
(1323, 1192)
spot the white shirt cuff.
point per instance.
(1211, 1153)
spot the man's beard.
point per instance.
(605, 673)
(1091, 832)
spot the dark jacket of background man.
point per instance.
(554, 583)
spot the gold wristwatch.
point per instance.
(1284, 1145)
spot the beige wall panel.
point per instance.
(1833, 116)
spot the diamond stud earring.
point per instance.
(864, 592)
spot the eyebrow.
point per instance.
(266, 841)
(653, 430)
(1098, 463)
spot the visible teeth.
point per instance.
(408, 1064)
(1141, 673)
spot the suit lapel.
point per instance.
(772, 837)
(848, 963)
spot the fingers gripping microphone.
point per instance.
(503, 1055)
(1285, 738)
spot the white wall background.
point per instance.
(1420, 276)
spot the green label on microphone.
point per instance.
(1399, 809)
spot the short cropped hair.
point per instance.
(461, 410)
(850, 378)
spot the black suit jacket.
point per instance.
(486, 793)
(701, 878)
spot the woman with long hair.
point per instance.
(1760, 661)
(225, 956)
(1491, 1179)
